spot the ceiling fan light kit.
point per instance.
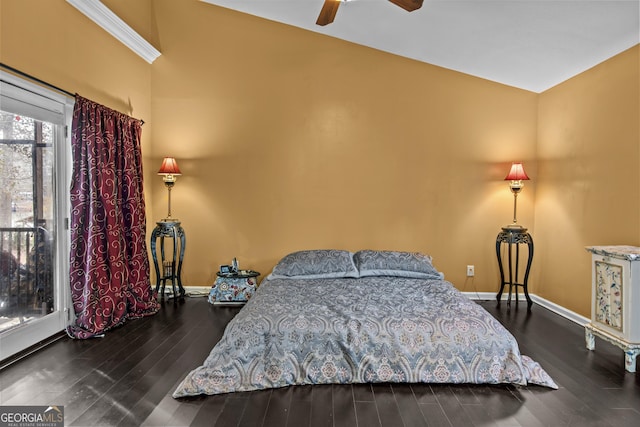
(330, 8)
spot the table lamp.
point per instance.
(516, 175)
(169, 171)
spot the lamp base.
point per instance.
(514, 228)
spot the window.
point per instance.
(34, 176)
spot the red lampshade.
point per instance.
(169, 167)
(516, 173)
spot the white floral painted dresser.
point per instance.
(615, 299)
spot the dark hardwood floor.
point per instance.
(127, 377)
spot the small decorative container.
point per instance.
(234, 288)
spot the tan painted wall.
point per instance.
(292, 140)
(588, 186)
(54, 42)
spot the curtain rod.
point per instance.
(42, 82)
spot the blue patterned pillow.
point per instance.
(316, 264)
(394, 263)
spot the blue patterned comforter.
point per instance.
(374, 329)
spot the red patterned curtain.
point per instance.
(109, 264)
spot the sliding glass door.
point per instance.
(34, 177)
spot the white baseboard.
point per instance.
(191, 291)
(482, 296)
(558, 309)
(196, 291)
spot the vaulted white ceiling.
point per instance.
(529, 44)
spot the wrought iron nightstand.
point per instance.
(514, 236)
(171, 269)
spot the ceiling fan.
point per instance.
(330, 8)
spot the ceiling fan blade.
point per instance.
(408, 5)
(328, 12)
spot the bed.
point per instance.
(336, 317)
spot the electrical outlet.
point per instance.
(471, 270)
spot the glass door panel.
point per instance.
(26, 218)
(33, 298)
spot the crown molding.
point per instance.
(111, 23)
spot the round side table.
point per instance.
(513, 237)
(171, 269)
